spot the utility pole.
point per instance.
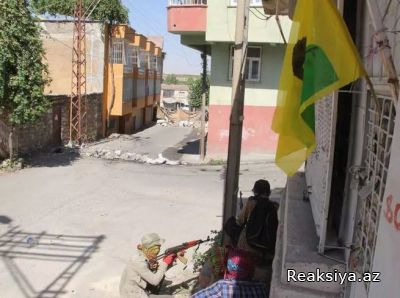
(203, 107)
(236, 119)
(78, 123)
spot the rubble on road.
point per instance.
(130, 156)
(12, 165)
(179, 118)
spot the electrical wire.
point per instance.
(262, 14)
(150, 26)
(94, 7)
(258, 17)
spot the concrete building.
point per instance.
(123, 88)
(343, 213)
(210, 26)
(133, 76)
(175, 97)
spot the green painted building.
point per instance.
(210, 26)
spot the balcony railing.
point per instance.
(187, 2)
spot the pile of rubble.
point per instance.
(183, 123)
(129, 156)
(179, 118)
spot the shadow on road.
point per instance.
(27, 254)
(57, 157)
(190, 145)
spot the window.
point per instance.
(155, 63)
(143, 60)
(253, 64)
(134, 56)
(252, 2)
(117, 51)
(150, 64)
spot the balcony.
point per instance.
(187, 16)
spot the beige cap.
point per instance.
(151, 239)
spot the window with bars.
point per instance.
(253, 64)
(117, 51)
(155, 63)
(377, 158)
(128, 53)
(143, 60)
(134, 56)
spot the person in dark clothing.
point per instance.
(255, 228)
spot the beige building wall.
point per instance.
(58, 43)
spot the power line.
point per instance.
(258, 17)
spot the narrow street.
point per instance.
(173, 143)
(87, 216)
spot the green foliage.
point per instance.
(189, 81)
(171, 79)
(23, 75)
(112, 11)
(196, 92)
(199, 258)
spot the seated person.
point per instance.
(237, 279)
(143, 270)
(255, 228)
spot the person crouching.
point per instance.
(142, 270)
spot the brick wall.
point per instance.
(44, 134)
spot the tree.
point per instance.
(23, 74)
(111, 11)
(196, 92)
(171, 79)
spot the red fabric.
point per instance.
(240, 265)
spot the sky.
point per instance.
(149, 17)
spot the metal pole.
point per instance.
(236, 119)
(78, 90)
(203, 127)
(382, 42)
(203, 107)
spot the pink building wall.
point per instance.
(257, 137)
(187, 18)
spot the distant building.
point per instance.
(175, 97)
(133, 77)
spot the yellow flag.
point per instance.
(320, 58)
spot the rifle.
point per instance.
(174, 250)
(182, 247)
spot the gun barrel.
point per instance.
(183, 246)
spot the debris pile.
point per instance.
(179, 118)
(130, 156)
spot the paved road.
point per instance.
(89, 214)
(174, 143)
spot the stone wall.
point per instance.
(94, 117)
(52, 129)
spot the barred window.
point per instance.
(143, 60)
(117, 51)
(134, 57)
